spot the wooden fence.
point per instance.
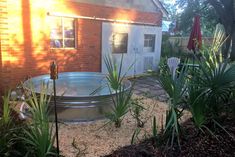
(182, 42)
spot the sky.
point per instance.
(169, 1)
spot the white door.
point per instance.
(134, 43)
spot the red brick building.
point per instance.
(35, 32)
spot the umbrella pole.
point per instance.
(194, 52)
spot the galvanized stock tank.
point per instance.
(81, 96)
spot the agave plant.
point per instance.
(121, 98)
(39, 136)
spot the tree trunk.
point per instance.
(233, 46)
(233, 34)
(227, 44)
(226, 47)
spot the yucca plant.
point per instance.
(10, 129)
(114, 76)
(6, 137)
(176, 89)
(121, 105)
(39, 136)
(121, 98)
(6, 115)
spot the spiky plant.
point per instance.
(121, 98)
(39, 135)
(6, 115)
(176, 89)
(6, 137)
(136, 109)
(211, 87)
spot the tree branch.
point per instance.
(223, 10)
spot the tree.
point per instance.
(171, 9)
(207, 14)
(225, 11)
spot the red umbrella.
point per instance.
(195, 40)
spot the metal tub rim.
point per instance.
(40, 78)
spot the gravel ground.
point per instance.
(94, 139)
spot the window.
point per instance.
(149, 42)
(62, 32)
(120, 42)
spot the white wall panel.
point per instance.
(135, 52)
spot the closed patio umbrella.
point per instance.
(195, 40)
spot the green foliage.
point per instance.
(136, 109)
(6, 142)
(212, 85)
(154, 127)
(176, 89)
(121, 101)
(9, 130)
(208, 15)
(6, 115)
(116, 84)
(38, 135)
(134, 137)
(114, 76)
(170, 49)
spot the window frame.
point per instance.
(113, 42)
(153, 47)
(63, 34)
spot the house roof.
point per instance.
(161, 7)
(141, 5)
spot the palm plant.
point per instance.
(120, 97)
(39, 136)
(213, 84)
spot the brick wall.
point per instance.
(25, 44)
(4, 43)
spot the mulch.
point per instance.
(194, 143)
